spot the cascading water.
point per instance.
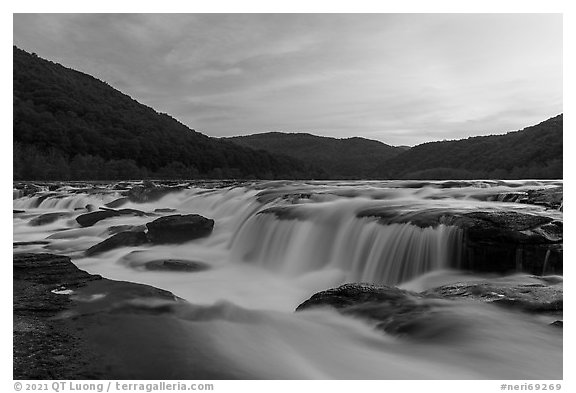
(366, 250)
(275, 244)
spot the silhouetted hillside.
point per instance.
(70, 125)
(534, 152)
(352, 158)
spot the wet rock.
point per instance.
(122, 239)
(164, 210)
(48, 218)
(179, 228)
(150, 192)
(48, 269)
(31, 243)
(285, 212)
(177, 265)
(393, 310)
(28, 188)
(59, 310)
(123, 228)
(117, 202)
(548, 197)
(89, 219)
(534, 295)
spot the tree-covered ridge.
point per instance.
(70, 125)
(351, 158)
(534, 152)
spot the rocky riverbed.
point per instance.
(437, 280)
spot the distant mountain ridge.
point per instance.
(534, 152)
(70, 125)
(350, 158)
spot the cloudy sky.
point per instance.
(402, 79)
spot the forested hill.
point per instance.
(352, 158)
(70, 125)
(534, 152)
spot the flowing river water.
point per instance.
(275, 244)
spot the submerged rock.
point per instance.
(122, 239)
(179, 228)
(150, 192)
(117, 202)
(31, 243)
(178, 265)
(164, 210)
(48, 218)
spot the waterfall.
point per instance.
(363, 248)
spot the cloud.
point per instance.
(399, 78)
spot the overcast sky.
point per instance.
(402, 79)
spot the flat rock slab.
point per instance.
(179, 228)
(89, 219)
(538, 296)
(69, 324)
(403, 312)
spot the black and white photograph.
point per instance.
(287, 196)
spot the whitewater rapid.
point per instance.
(275, 244)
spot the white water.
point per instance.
(263, 266)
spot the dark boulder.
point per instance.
(89, 219)
(179, 228)
(393, 310)
(122, 239)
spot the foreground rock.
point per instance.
(403, 312)
(69, 324)
(393, 310)
(179, 228)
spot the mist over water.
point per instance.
(275, 244)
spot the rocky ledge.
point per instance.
(69, 324)
(415, 315)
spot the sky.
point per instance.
(402, 79)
